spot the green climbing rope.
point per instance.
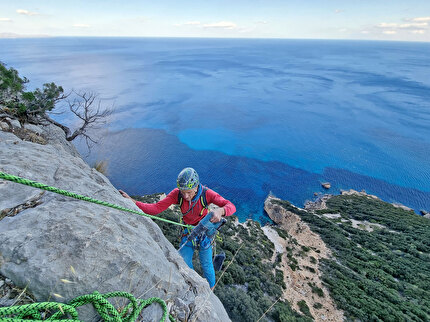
(66, 311)
(53, 311)
(42, 186)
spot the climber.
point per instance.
(193, 199)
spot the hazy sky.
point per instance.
(330, 19)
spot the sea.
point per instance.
(253, 116)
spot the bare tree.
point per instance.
(87, 106)
(34, 106)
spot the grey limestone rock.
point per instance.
(57, 245)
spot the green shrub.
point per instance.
(316, 289)
(25, 105)
(318, 305)
(283, 312)
(279, 278)
(282, 233)
(304, 308)
(305, 248)
(239, 305)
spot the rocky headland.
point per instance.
(303, 248)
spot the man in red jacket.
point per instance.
(193, 199)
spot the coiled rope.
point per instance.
(42, 186)
(62, 312)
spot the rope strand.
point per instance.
(42, 186)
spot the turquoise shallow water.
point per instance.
(252, 116)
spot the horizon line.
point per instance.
(7, 35)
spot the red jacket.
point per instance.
(192, 217)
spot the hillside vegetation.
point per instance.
(378, 274)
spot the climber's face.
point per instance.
(189, 194)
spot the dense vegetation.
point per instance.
(252, 283)
(25, 105)
(382, 274)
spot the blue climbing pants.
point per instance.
(205, 254)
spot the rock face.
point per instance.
(318, 204)
(57, 245)
(302, 282)
(326, 185)
(351, 192)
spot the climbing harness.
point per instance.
(42, 186)
(60, 311)
(204, 227)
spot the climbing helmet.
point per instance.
(187, 179)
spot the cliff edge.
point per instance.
(60, 248)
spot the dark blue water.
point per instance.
(252, 116)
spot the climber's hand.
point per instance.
(124, 194)
(217, 215)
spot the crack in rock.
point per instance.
(32, 203)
